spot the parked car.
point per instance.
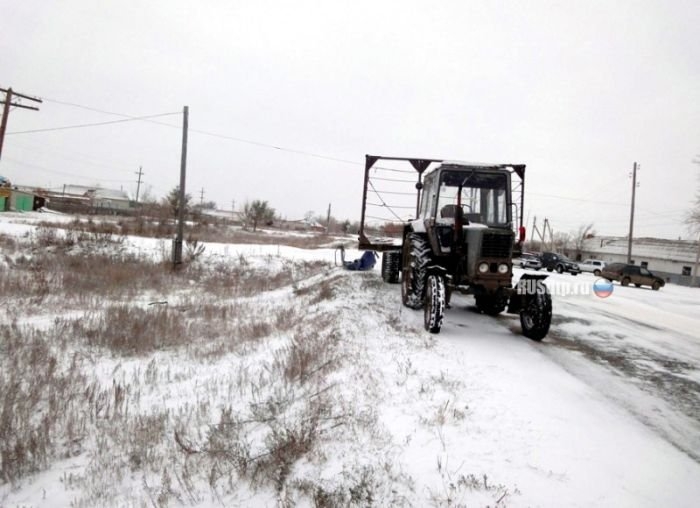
(632, 274)
(553, 261)
(594, 266)
(528, 261)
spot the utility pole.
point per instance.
(177, 246)
(697, 254)
(328, 219)
(634, 189)
(9, 94)
(201, 197)
(546, 226)
(138, 184)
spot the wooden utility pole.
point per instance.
(634, 189)
(177, 247)
(138, 184)
(697, 254)
(328, 219)
(546, 226)
(9, 95)
(201, 197)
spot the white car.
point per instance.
(594, 266)
(530, 261)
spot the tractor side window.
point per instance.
(428, 204)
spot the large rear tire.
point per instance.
(415, 259)
(434, 308)
(391, 265)
(536, 315)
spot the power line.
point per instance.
(91, 124)
(383, 202)
(41, 168)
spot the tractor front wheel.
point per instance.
(434, 307)
(536, 315)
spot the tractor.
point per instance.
(462, 239)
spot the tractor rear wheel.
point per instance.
(434, 308)
(391, 264)
(415, 259)
(536, 315)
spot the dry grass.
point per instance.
(83, 229)
(103, 378)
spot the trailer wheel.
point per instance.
(536, 315)
(391, 263)
(434, 308)
(493, 304)
(416, 255)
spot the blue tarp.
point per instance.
(366, 262)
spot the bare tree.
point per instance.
(258, 212)
(584, 232)
(172, 200)
(692, 221)
(561, 242)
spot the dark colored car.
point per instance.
(553, 261)
(632, 274)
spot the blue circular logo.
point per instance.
(602, 288)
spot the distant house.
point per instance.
(5, 193)
(22, 200)
(109, 200)
(674, 260)
(90, 199)
(19, 199)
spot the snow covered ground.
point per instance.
(604, 412)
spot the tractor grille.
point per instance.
(496, 245)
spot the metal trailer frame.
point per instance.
(421, 165)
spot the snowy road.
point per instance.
(606, 409)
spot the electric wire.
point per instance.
(383, 202)
(393, 206)
(65, 127)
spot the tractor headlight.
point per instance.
(503, 268)
(483, 267)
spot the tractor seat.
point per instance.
(448, 211)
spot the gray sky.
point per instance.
(578, 91)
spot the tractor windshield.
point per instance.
(482, 195)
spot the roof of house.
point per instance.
(655, 248)
(93, 191)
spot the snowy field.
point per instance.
(263, 375)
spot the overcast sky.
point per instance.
(578, 91)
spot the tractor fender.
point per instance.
(527, 286)
(436, 270)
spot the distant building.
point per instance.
(674, 260)
(19, 199)
(22, 200)
(90, 199)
